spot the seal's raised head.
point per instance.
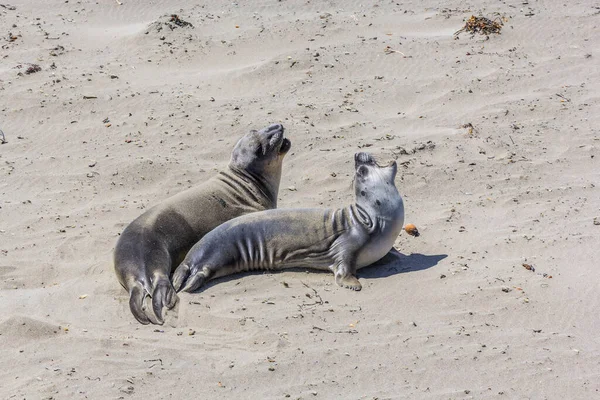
(374, 184)
(261, 151)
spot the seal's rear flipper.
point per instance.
(137, 297)
(163, 296)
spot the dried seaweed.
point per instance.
(481, 25)
(32, 69)
(179, 22)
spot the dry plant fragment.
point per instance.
(481, 25)
(529, 267)
(412, 230)
(178, 21)
(389, 50)
(32, 69)
(470, 127)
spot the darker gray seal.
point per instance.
(154, 242)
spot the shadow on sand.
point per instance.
(395, 262)
(392, 263)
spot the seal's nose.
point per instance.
(271, 130)
(362, 158)
(274, 127)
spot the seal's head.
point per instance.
(261, 152)
(258, 155)
(374, 186)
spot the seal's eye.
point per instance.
(259, 150)
(362, 171)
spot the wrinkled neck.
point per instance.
(378, 218)
(266, 185)
(363, 216)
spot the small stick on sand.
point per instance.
(119, 3)
(320, 301)
(2, 137)
(389, 50)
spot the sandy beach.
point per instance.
(110, 107)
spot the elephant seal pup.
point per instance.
(340, 240)
(159, 238)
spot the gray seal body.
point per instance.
(153, 243)
(340, 241)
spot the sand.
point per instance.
(497, 142)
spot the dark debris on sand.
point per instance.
(170, 21)
(179, 22)
(31, 69)
(481, 25)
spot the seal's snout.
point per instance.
(273, 131)
(275, 127)
(273, 138)
(363, 158)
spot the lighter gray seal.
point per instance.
(340, 241)
(156, 241)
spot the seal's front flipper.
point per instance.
(137, 297)
(349, 282)
(345, 276)
(180, 275)
(195, 282)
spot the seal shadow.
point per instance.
(392, 263)
(239, 275)
(395, 262)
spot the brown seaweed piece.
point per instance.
(481, 25)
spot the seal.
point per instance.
(341, 240)
(157, 240)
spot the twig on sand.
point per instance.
(318, 299)
(389, 50)
(2, 137)
(320, 329)
(119, 3)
